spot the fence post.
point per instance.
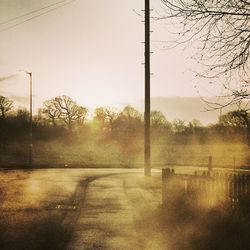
(234, 163)
(210, 167)
(165, 175)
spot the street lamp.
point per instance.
(30, 120)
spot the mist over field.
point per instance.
(115, 137)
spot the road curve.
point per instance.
(113, 212)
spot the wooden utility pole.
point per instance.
(147, 146)
(31, 129)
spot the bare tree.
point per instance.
(64, 109)
(106, 117)
(220, 30)
(5, 106)
(52, 113)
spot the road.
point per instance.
(109, 209)
(80, 209)
(114, 213)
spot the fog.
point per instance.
(117, 140)
(204, 218)
(90, 186)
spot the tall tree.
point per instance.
(106, 117)
(52, 113)
(235, 119)
(220, 30)
(238, 120)
(65, 110)
(128, 123)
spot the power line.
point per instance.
(31, 12)
(36, 16)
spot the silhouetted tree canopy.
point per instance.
(106, 117)
(52, 113)
(235, 119)
(120, 140)
(179, 125)
(6, 105)
(64, 110)
(124, 128)
(128, 123)
(159, 121)
(130, 112)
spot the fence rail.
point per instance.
(208, 188)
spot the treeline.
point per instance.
(62, 118)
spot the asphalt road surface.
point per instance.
(79, 209)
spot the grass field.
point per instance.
(129, 155)
(224, 155)
(26, 219)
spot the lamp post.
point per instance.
(30, 119)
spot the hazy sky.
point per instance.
(90, 50)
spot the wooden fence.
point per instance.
(207, 188)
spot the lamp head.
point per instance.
(25, 71)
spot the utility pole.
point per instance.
(31, 129)
(147, 144)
